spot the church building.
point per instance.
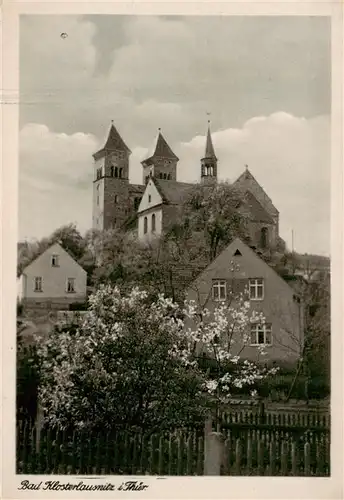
(155, 204)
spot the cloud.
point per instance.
(290, 158)
(288, 155)
(236, 67)
(56, 174)
(146, 72)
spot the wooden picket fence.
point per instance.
(63, 452)
(276, 444)
(252, 445)
(259, 415)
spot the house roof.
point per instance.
(237, 242)
(258, 212)
(173, 192)
(136, 188)
(247, 176)
(43, 252)
(113, 142)
(160, 149)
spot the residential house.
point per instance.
(52, 280)
(238, 268)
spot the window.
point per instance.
(219, 290)
(98, 194)
(55, 261)
(38, 284)
(256, 287)
(153, 223)
(237, 252)
(116, 198)
(99, 173)
(120, 173)
(261, 334)
(264, 237)
(116, 172)
(169, 177)
(112, 171)
(149, 198)
(145, 225)
(71, 285)
(160, 175)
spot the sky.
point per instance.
(264, 82)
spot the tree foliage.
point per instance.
(218, 214)
(132, 362)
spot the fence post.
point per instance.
(39, 424)
(261, 412)
(213, 450)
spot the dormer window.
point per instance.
(54, 261)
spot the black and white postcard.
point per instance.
(172, 250)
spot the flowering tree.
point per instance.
(132, 362)
(124, 365)
(222, 335)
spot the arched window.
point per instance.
(169, 177)
(202, 171)
(116, 171)
(120, 173)
(145, 225)
(116, 198)
(160, 175)
(264, 237)
(112, 171)
(153, 223)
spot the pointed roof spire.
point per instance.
(113, 141)
(160, 149)
(209, 148)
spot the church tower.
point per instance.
(111, 202)
(161, 162)
(209, 162)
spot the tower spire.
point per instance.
(209, 161)
(209, 147)
(160, 161)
